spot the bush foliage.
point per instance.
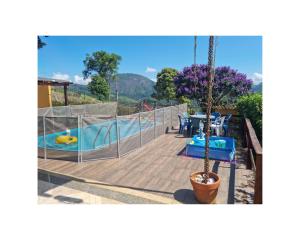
(251, 106)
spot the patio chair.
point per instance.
(216, 121)
(216, 114)
(195, 122)
(185, 115)
(218, 126)
(226, 123)
(183, 122)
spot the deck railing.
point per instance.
(254, 158)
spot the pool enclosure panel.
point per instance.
(97, 131)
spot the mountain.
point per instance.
(133, 85)
(83, 89)
(130, 86)
(257, 88)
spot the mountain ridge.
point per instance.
(257, 88)
(130, 85)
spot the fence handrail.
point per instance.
(256, 161)
(252, 135)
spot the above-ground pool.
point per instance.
(95, 136)
(220, 148)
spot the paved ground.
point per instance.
(53, 190)
(50, 193)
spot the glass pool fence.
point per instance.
(94, 131)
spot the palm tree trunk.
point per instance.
(209, 103)
(194, 67)
(195, 49)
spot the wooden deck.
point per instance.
(162, 168)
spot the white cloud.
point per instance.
(257, 78)
(61, 76)
(76, 79)
(79, 80)
(153, 79)
(150, 70)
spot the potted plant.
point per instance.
(206, 183)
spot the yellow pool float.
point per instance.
(66, 139)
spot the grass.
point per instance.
(73, 98)
(76, 98)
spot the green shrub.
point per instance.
(251, 106)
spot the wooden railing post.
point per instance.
(258, 180)
(254, 144)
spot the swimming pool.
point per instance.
(96, 136)
(220, 148)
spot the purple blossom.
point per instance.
(192, 82)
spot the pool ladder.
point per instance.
(107, 134)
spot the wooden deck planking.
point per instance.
(159, 166)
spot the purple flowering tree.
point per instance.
(228, 84)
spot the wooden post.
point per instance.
(66, 95)
(255, 145)
(258, 180)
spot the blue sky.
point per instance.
(63, 56)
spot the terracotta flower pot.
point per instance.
(205, 193)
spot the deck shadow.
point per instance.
(182, 152)
(47, 182)
(66, 199)
(231, 185)
(215, 167)
(185, 196)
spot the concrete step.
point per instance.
(83, 190)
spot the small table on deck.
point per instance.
(201, 117)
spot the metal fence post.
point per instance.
(140, 129)
(44, 126)
(118, 136)
(81, 138)
(154, 123)
(45, 144)
(171, 117)
(78, 129)
(164, 129)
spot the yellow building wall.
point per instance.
(44, 96)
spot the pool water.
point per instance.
(87, 135)
(220, 148)
(213, 142)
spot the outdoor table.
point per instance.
(201, 117)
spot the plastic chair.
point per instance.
(183, 122)
(195, 123)
(216, 114)
(185, 115)
(226, 123)
(218, 126)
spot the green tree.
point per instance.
(165, 88)
(102, 63)
(103, 67)
(41, 43)
(99, 87)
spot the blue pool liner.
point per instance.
(220, 148)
